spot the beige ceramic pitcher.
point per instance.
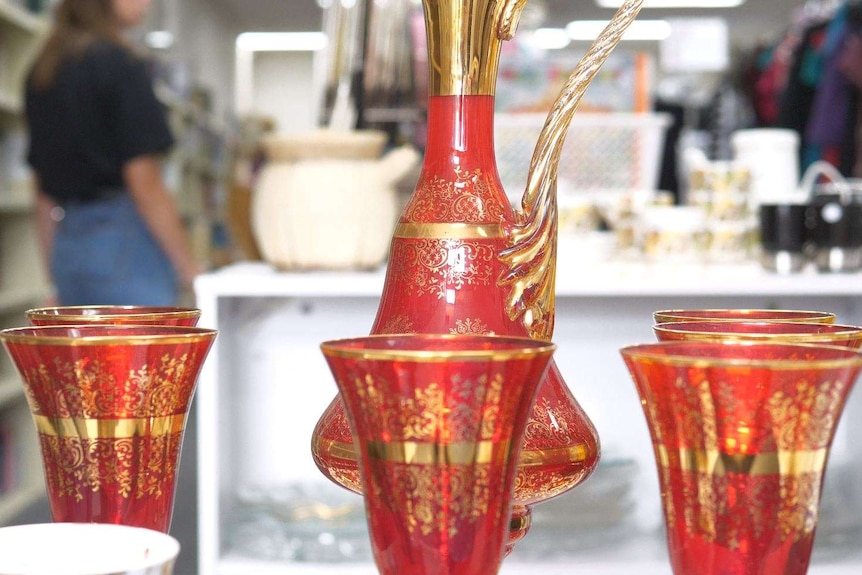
(327, 199)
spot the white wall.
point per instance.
(283, 89)
(205, 38)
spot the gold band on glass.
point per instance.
(415, 453)
(86, 428)
(455, 231)
(528, 458)
(556, 456)
(786, 463)
(322, 447)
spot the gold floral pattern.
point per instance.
(698, 504)
(549, 424)
(470, 326)
(536, 484)
(466, 200)
(399, 324)
(440, 415)
(433, 266)
(738, 466)
(92, 388)
(805, 419)
(418, 495)
(133, 467)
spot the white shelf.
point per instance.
(630, 561)
(266, 379)
(16, 501)
(10, 390)
(615, 279)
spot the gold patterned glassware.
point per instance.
(439, 422)
(114, 314)
(741, 434)
(771, 315)
(463, 261)
(769, 332)
(110, 405)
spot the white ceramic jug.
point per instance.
(771, 155)
(327, 200)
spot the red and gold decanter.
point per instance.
(463, 261)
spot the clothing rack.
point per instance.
(811, 83)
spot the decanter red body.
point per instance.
(446, 273)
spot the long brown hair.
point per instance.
(77, 24)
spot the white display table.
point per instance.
(266, 383)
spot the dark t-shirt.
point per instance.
(99, 113)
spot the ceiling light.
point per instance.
(159, 39)
(589, 30)
(548, 39)
(281, 41)
(676, 3)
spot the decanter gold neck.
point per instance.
(464, 39)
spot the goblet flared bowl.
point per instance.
(438, 422)
(110, 406)
(741, 434)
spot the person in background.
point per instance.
(107, 225)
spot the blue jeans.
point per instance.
(104, 254)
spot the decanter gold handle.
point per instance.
(532, 241)
(510, 15)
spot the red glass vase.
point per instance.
(110, 406)
(438, 421)
(463, 261)
(741, 434)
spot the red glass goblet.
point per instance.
(114, 314)
(110, 406)
(771, 315)
(774, 332)
(741, 434)
(438, 421)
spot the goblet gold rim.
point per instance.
(700, 362)
(801, 316)
(46, 313)
(531, 348)
(848, 331)
(16, 335)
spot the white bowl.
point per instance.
(85, 549)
